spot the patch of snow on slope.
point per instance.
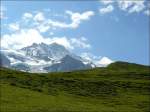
(103, 62)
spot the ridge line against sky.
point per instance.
(93, 28)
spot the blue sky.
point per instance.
(96, 29)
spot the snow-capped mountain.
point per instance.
(103, 62)
(68, 63)
(4, 61)
(46, 52)
(45, 58)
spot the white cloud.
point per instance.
(90, 56)
(62, 41)
(137, 8)
(27, 15)
(107, 9)
(43, 24)
(57, 24)
(43, 27)
(26, 33)
(26, 37)
(77, 17)
(39, 17)
(21, 39)
(129, 6)
(80, 42)
(124, 5)
(13, 27)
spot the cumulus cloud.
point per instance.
(77, 17)
(90, 56)
(27, 15)
(43, 27)
(124, 5)
(39, 17)
(62, 41)
(30, 28)
(107, 9)
(129, 6)
(58, 24)
(26, 37)
(40, 21)
(13, 26)
(80, 42)
(21, 39)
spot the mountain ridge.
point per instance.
(37, 57)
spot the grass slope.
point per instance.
(121, 87)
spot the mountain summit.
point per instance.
(46, 52)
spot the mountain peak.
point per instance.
(103, 62)
(56, 45)
(42, 43)
(45, 52)
(39, 44)
(34, 44)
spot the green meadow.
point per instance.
(120, 87)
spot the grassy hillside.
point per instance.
(121, 87)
